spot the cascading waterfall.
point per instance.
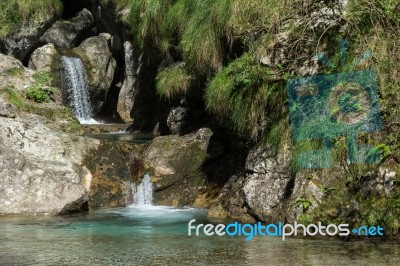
(143, 193)
(74, 80)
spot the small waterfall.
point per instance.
(143, 193)
(74, 80)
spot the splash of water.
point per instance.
(75, 82)
(143, 193)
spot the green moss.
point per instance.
(15, 13)
(13, 97)
(53, 114)
(15, 72)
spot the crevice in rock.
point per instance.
(72, 7)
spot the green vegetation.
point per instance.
(53, 114)
(41, 91)
(15, 72)
(245, 93)
(173, 81)
(14, 13)
(39, 94)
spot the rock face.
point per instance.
(24, 39)
(178, 119)
(233, 201)
(67, 34)
(13, 74)
(321, 24)
(38, 168)
(112, 169)
(174, 163)
(128, 91)
(44, 58)
(268, 182)
(100, 66)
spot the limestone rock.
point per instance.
(7, 109)
(100, 65)
(175, 164)
(44, 58)
(38, 167)
(67, 34)
(113, 169)
(233, 199)
(178, 119)
(268, 182)
(14, 74)
(128, 91)
(23, 40)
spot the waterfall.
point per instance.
(143, 193)
(75, 82)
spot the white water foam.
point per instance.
(143, 193)
(75, 82)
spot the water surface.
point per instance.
(158, 236)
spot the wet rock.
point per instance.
(175, 165)
(44, 58)
(100, 66)
(380, 182)
(67, 34)
(113, 166)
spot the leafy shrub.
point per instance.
(39, 94)
(41, 91)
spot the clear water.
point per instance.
(74, 80)
(158, 236)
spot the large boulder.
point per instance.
(175, 165)
(20, 42)
(14, 74)
(128, 91)
(68, 34)
(268, 182)
(114, 168)
(100, 66)
(44, 58)
(39, 168)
